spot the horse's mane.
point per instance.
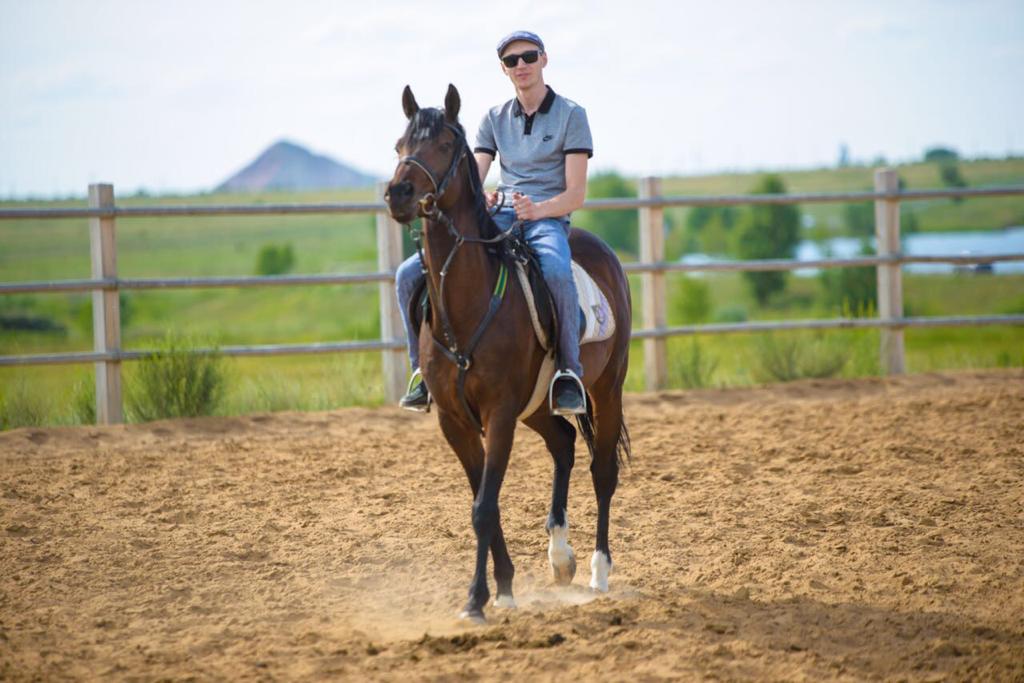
(428, 124)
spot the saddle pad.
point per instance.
(596, 309)
(600, 325)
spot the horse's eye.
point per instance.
(446, 146)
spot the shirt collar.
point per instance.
(545, 105)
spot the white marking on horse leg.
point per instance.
(478, 619)
(505, 602)
(560, 554)
(600, 568)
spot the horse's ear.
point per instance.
(409, 105)
(452, 102)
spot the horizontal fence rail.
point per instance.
(194, 282)
(195, 210)
(357, 278)
(652, 268)
(832, 324)
(789, 264)
(594, 204)
(807, 198)
(264, 350)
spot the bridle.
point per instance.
(429, 209)
(428, 203)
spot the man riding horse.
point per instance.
(543, 143)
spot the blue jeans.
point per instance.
(549, 239)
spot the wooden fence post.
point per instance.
(890, 282)
(652, 250)
(389, 257)
(106, 307)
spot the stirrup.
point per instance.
(416, 408)
(551, 392)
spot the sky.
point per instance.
(177, 96)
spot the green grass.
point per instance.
(202, 246)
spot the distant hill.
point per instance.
(287, 166)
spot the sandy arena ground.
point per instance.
(843, 530)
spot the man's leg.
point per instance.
(550, 241)
(407, 280)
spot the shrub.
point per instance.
(694, 367)
(861, 346)
(22, 407)
(851, 288)
(797, 357)
(176, 381)
(1004, 359)
(275, 259)
(83, 402)
(731, 314)
(691, 300)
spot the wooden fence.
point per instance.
(105, 284)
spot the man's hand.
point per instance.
(491, 198)
(526, 210)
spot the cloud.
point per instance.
(182, 93)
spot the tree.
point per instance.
(710, 227)
(859, 219)
(618, 228)
(770, 231)
(940, 154)
(950, 174)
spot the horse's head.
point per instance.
(429, 154)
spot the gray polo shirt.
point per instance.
(532, 149)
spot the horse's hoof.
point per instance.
(505, 602)
(600, 568)
(563, 573)
(473, 615)
(560, 556)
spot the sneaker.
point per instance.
(567, 397)
(417, 400)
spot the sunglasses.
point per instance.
(530, 56)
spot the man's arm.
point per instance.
(562, 204)
(483, 162)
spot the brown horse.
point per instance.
(480, 356)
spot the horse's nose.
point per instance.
(399, 192)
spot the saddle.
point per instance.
(596, 322)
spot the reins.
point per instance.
(430, 210)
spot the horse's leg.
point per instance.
(467, 446)
(604, 470)
(560, 438)
(486, 515)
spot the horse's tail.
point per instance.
(623, 448)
